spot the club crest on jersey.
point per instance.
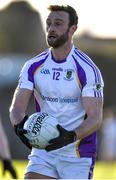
(69, 75)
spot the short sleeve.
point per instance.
(94, 83)
(24, 80)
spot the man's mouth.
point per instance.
(51, 37)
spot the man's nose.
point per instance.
(51, 28)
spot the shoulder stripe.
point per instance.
(42, 54)
(81, 74)
(33, 68)
(87, 60)
(99, 79)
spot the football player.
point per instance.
(67, 84)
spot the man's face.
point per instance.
(57, 25)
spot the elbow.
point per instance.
(99, 123)
(16, 114)
(11, 114)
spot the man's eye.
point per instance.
(57, 23)
(48, 24)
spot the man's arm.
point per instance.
(19, 105)
(94, 110)
(17, 113)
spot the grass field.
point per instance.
(103, 170)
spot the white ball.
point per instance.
(41, 127)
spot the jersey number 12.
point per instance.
(56, 75)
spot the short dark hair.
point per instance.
(73, 17)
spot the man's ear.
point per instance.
(73, 28)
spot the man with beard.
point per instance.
(68, 85)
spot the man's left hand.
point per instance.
(65, 138)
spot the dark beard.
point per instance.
(59, 41)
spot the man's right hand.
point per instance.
(20, 132)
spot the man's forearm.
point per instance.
(88, 127)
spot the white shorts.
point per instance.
(61, 167)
